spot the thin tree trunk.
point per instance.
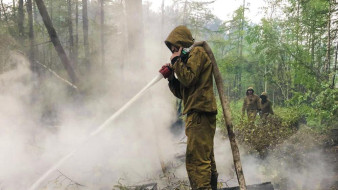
(55, 40)
(51, 46)
(70, 29)
(266, 81)
(297, 26)
(31, 34)
(328, 52)
(335, 69)
(13, 8)
(241, 51)
(76, 48)
(21, 17)
(241, 33)
(35, 15)
(85, 32)
(102, 32)
(312, 45)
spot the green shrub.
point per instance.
(259, 135)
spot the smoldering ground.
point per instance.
(300, 162)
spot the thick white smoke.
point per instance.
(39, 126)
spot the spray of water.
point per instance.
(95, 132)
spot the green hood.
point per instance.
(180, 37)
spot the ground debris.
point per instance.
(150, 186)
(262, 186)
(63, 182)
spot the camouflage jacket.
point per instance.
(251, 102)
(193, 81)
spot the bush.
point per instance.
(259, 135)
(326, 106)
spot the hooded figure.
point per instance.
(191, 81)
(265, 106)
(251, 104)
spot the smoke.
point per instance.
(41, 121)
(298, 163)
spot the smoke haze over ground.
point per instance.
(38, 129)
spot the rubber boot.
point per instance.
(213, 182)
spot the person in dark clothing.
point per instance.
(265, 106)
(191, 81)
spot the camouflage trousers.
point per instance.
(200, 160)
(252, 114)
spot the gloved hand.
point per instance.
(165, 71)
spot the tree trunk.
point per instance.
(135, 32)
(35, 15)
(312, 42)
(297, 26)
(328, 51)
(102, 31)
(85, 32)
(51, 46)
(265, 81)
(55, 40)
(333, 86)
(70, 29)
(21, 18)
(13, 9)
(31, 34)
(241, 32)
(76, 48)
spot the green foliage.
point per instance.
(326, 106)
(292, 115)
(263, 135)
(319, 110)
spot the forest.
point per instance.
(68, 65)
